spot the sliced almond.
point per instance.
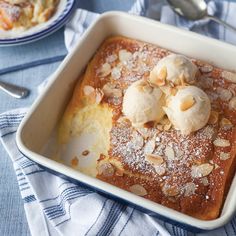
(124, 55)
(88, 90)
(224, 94)
(187, 103)
(232, 104)
(137, 140)
(216, 166)
(206, 68)
(226, 123)
(205, 82)
(145, 132)
(106, 169)
(98, 95)
(224, 156)
(170, 191)
(201, 170)
(138, 190)
(74, 162)
(111, 58)
(230, 76)
(214, 116)
(219, 142)
(119, 172)
(173, 91)
(189, 189)
(85, 152)
(111, 91)
(116, 73)
(205, 181)
(149, 146)
(167, 126)
(104, 70)
(169, 152)
(154, 159)
(160, 170)
(160, 78)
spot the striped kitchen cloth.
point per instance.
(55, 206)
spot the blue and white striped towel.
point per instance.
(54, 206)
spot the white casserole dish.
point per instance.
(36, 129)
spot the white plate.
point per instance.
(36, 129)
(64, 10)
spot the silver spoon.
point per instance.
(195, 10)
(14, 90)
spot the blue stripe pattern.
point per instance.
(30, 198)
(67, 195)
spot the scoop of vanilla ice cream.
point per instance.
(176, 67)
(189, 109)
(143, 103)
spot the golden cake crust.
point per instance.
(190, 174)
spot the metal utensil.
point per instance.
(195, 10)
(14, 90)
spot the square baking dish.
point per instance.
(36, 129)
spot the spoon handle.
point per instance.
(221, 22)
(14, 90)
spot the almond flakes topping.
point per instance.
(229, 76)
(74, 162)
(213, 119)
(201, 170)
(116, 73)
(170, 191)
(150, 146)
(160, 79)
(224, 156)
(189, 189)
(169, 152)
(161, 170)
(104, 70)
(187, 103)
(219, 142)
(224, 94)
(85, 152)
(106, 169)
(206, 68)
(111, 91)
(138, 190)
(124, 55)
(88, 90)
(98, 95)
(232, 104)
(226, 123)
(154, 159)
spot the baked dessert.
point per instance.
(23, 14)
(164, 125)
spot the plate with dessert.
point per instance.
(24, 21)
